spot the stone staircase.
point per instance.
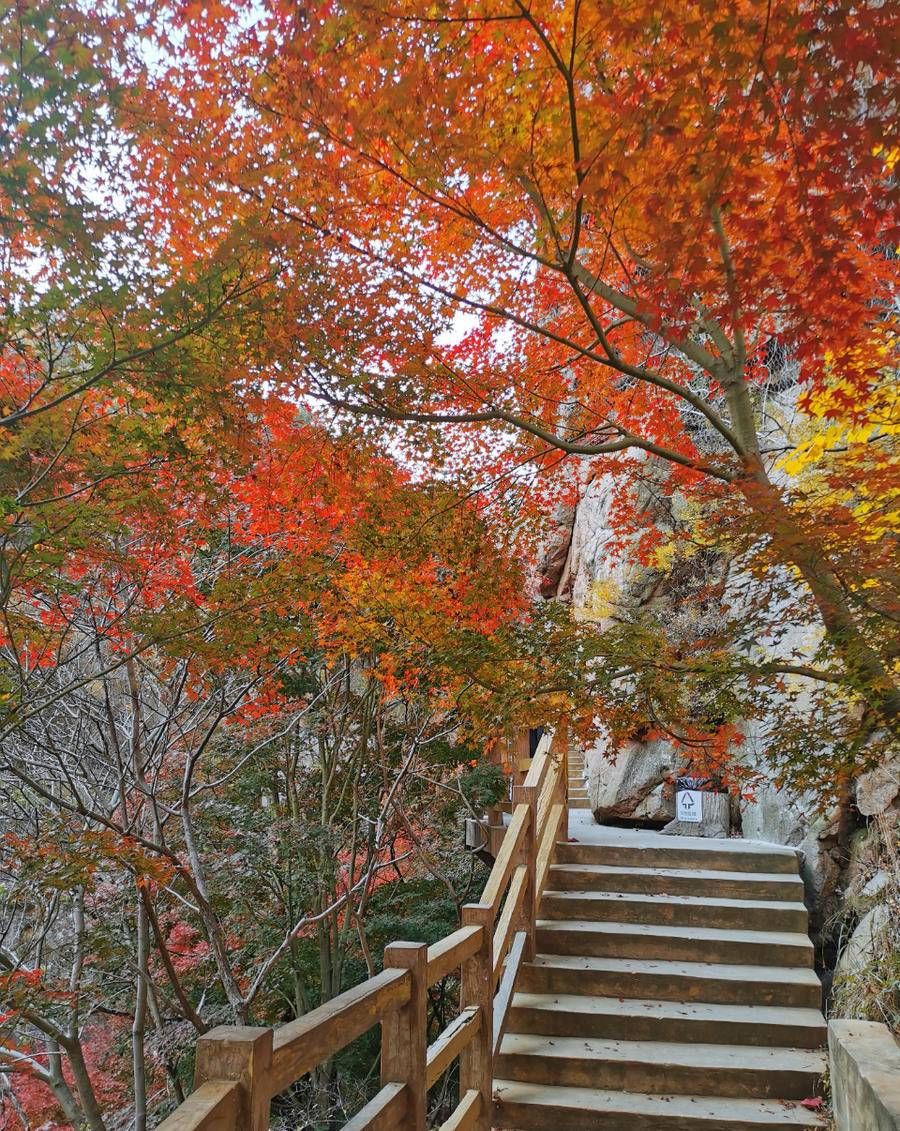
(672, 989)
(578, 794)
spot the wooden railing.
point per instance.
(240, 1068)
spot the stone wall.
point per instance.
(865, 1076)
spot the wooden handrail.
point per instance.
(210, 1107)
(450, 952)
(302, 1045)
(451, 1042)
(495, 888)
(385, 1111)
(240, 1069)
(504, 932)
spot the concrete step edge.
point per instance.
(718, 1113)
(664, 930)
(738, 972)
(611, 871)
(653, 1007)
(664, 898)
(712, 1057)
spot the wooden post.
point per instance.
(404, 1032)
(242, 1053)
(476, 1063)
(524, 919)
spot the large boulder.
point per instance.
(636, 785)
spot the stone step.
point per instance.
(667, 980)
(531, 1107)
(688, 944)
(685, 852)
(655, 1067)
(579, 803)
(577, 1015)
(675, 910)
(676, 881)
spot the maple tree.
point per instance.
(302, 626)
(311, 315)
(591, 228)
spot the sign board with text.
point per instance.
(689, 805)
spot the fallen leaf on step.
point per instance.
(814, 1103)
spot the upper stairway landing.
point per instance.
(672, 990)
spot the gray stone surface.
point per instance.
(877, 790)
(876, 885)
(864, 941)
(783, 818)
(865, 1076)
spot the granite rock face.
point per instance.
(878, 790)
(602, 582)
(864, 942)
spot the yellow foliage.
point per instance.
(601, 600)
(889, 156)
(846, 425)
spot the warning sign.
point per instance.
(689, 805)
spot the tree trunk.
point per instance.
(92, 1116)
(795, 547)
(60, 1089)
(138, 1060)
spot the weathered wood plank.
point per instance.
(549, 791)
(507, 986)
(506, 858)
(525, 912)
(385, 1111)
(212, 1107)
(467, 1113)
(451, 1042)
(504, 931)
(539, 761)
(549, 837)
(242, 1053)
(302, 1044)
(449, 953)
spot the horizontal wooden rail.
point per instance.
(450, 952)
(211, 1107)
(450, 1044)
(495, 888)
(504, 932)
(545, 849)
(467, 1113)
(385, 1111)
(507, 985)
(302, 1045)
(240, 1069)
